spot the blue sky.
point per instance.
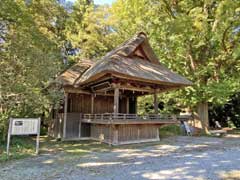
(100, 1)
(103, 1)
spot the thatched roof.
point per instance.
(133, 60)
(132, 68)
(72, 74)
(128, 48)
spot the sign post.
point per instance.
(24, 126)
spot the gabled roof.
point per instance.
(133, 60)
(130, 47)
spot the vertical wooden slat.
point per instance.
(65, 115)
(80, 125)
(115, 135)
(92, 103)
(157, 133)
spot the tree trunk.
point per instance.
(202, 112)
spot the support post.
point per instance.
(65, 115)
(92, 103)
(136, 105)
(116, 100)
(155, 102)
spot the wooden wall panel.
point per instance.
(101, 132)
(56, 126)
(80, 103)
(123, 105)
(136, 132)
(73, 125)
(102, 104)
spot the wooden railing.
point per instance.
(120, 116)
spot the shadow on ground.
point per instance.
(172, 158)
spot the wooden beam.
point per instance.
(75, 90)
(132, 88)
(65, 114)
(155, 102)
(116, 100)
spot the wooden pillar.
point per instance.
(155, 102)
(116, 100)
(92, 103)
(65, 115)
(127, 105)
(136, 105)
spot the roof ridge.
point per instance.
(123, 45)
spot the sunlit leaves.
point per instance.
(30, 56)
(197, 39)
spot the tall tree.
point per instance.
(198, 39)
(29, 56)
(88, 31)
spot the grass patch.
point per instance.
(22, 147)
(169, 130)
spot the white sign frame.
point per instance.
(31, 125)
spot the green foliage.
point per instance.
(20, 147)
(170, 130)
(88, 31)
(30, 57)
(198, 39)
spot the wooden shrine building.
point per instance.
(101, 98)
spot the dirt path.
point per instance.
(173, 158)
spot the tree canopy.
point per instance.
(198, 39)
(38, 39)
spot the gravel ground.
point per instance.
(173, 158)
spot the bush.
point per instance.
(170, 130)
